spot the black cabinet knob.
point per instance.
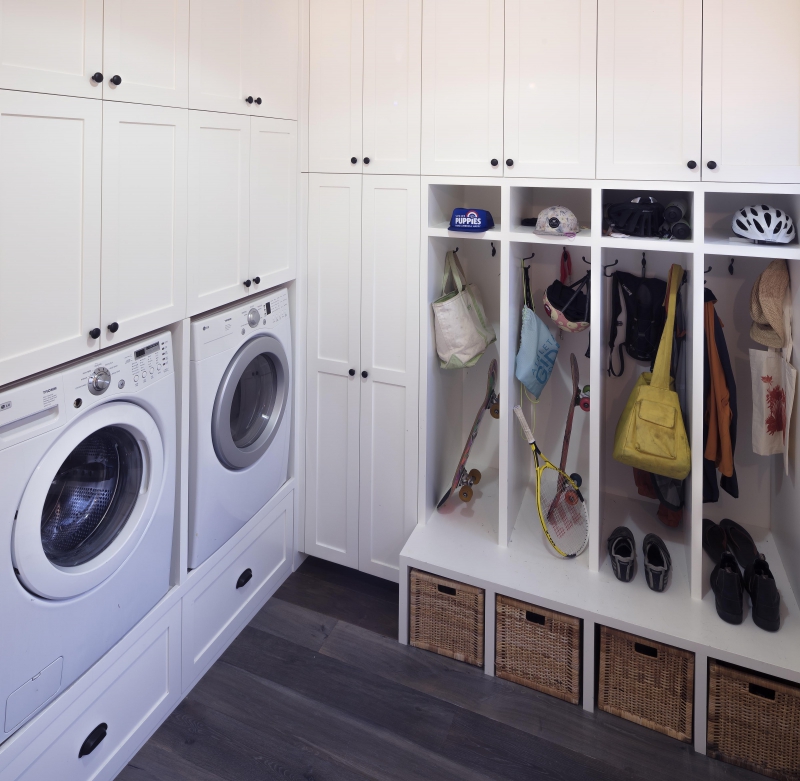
(258, 101)
(711, 164)
(365, 374)
(691, 164)
(247, 283)
(248, 99)
(97, 78)
(113, 327)
(509, 162)
(493, 161)
(366, 161)
(244, 578)
(352, 372)
(94, 739)
(353, 160)
(257, 280)
(115, 80)
(95, 333)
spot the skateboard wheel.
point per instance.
(584, 404)
(494, 411)
(475, 476)
(465, 493)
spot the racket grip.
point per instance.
(523, 424)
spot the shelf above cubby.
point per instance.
(442, 231)
(527, 202)
(719, 210)
(443, 198)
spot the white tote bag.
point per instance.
(462, 330)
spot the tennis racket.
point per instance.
(562, 510)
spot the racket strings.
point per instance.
(562, 511)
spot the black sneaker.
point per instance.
(657, 562)
(622, 551)
(740, 543)
(715, 541)
(764, 595)
(728, 588)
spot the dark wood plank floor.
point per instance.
(317, 688)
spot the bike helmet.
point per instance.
(764, 223)
(567, 305)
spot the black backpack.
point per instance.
(646, 314)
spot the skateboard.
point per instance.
(463, 480)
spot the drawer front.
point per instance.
(226, 597)
(131, 699)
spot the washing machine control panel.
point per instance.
(99, 381)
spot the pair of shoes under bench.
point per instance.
(622, 552)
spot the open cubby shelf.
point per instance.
(495, 541)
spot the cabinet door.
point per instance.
(218, 72)
(273, 201)
(392, 73)
(332, 394)
(462, 88)
(335, 71)
(146, 44)
(49, 230)
(51, 46)
(273, 60)
(219, 209)
(390, 356)
(751, 91)
(145, 157)
(648, 89)
(551, 86)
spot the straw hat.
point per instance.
(766, 305)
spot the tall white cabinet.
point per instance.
(362, 369)
(364, 86)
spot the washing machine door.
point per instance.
(89, 501)
(251, 402)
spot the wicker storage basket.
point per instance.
(538, 648)
(447, 617)
(754, 721)
(646, 682)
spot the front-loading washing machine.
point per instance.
(240, 417)
(87, 502)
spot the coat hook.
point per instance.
(730, 267)
(708, 269)
(529, 257)
(455, 250)
(610, 265)
(587, 262)
(644, 264)
(494, 251)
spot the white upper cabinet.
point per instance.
(218, 46)
(335, 75)
(52, 46)
(462, 87)
(390, 356)
(273, 201)
(550, 88)
(49, 230)
(146, 50)
(274, 57)
(392, 86)
(145, 156)
(219, 216)
(649, 89)
(751, 91)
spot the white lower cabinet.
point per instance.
(95, 737)
(362, 369)
(226, 595)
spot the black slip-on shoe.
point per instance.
(715, 541)
(622, 552)
(740, 543)
(764, 595)
(657, 562)
(728, 588)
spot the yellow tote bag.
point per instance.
(650, 434)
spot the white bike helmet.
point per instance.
(763, 223)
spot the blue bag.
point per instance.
(471, 220)
(538, 348)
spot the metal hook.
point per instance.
(610, 265)
(730, 266)
(494, 251)
(455, 250)
(529, 257)
(644, 264)
(708, 269)
(587, 262)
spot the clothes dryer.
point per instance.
(240, 417)
(87, 502)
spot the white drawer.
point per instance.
(131, 698)
(224, 599)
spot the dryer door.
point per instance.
(251, 402)
(89, 501)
